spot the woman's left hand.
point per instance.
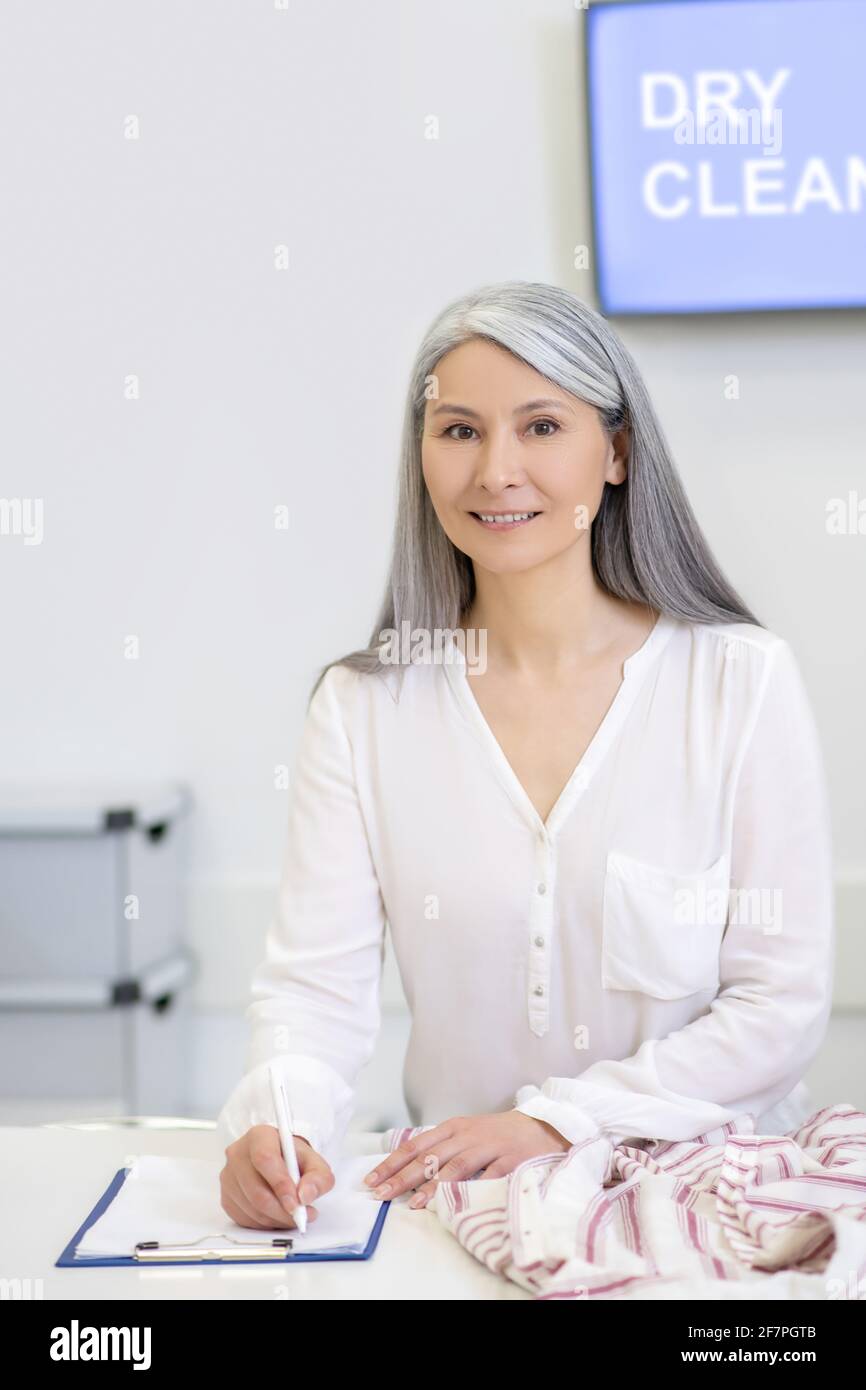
(487, 1145)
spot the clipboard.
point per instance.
(278, 1252)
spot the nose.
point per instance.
(498, 464)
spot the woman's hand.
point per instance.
(487, 1145)
(256, 1189)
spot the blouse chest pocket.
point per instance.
(662, 930)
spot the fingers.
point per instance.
(240, 1215)
(243, 1217)
(316, 1175)
(257, 1189)
(500, 1168)
(259, 1208)
(464, 1165)
(267, 1157)
(410, 1152)
(452, 1162)
(265, 1186)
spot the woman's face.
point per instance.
(501, 438)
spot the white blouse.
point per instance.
(652, 961)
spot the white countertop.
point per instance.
(52, 1177)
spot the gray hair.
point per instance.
(646, 544)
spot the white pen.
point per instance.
(284, 1125)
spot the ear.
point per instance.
(618, 452)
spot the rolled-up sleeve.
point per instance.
(766, 1024)
(315, 1009)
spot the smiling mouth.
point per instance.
(503, 521)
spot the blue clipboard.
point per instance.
(285, 1257)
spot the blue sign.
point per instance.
(728, 147)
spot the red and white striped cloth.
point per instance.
(730, 1214)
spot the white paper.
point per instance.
(177, 1200)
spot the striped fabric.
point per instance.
(729, 1214)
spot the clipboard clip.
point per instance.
(278, 1249)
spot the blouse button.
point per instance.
(539, 989)
(539, 941)
(542, 888)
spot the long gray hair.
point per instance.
(646, 544)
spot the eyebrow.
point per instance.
(543, 402)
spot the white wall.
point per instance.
(260, 386)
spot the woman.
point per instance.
(599, 832)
